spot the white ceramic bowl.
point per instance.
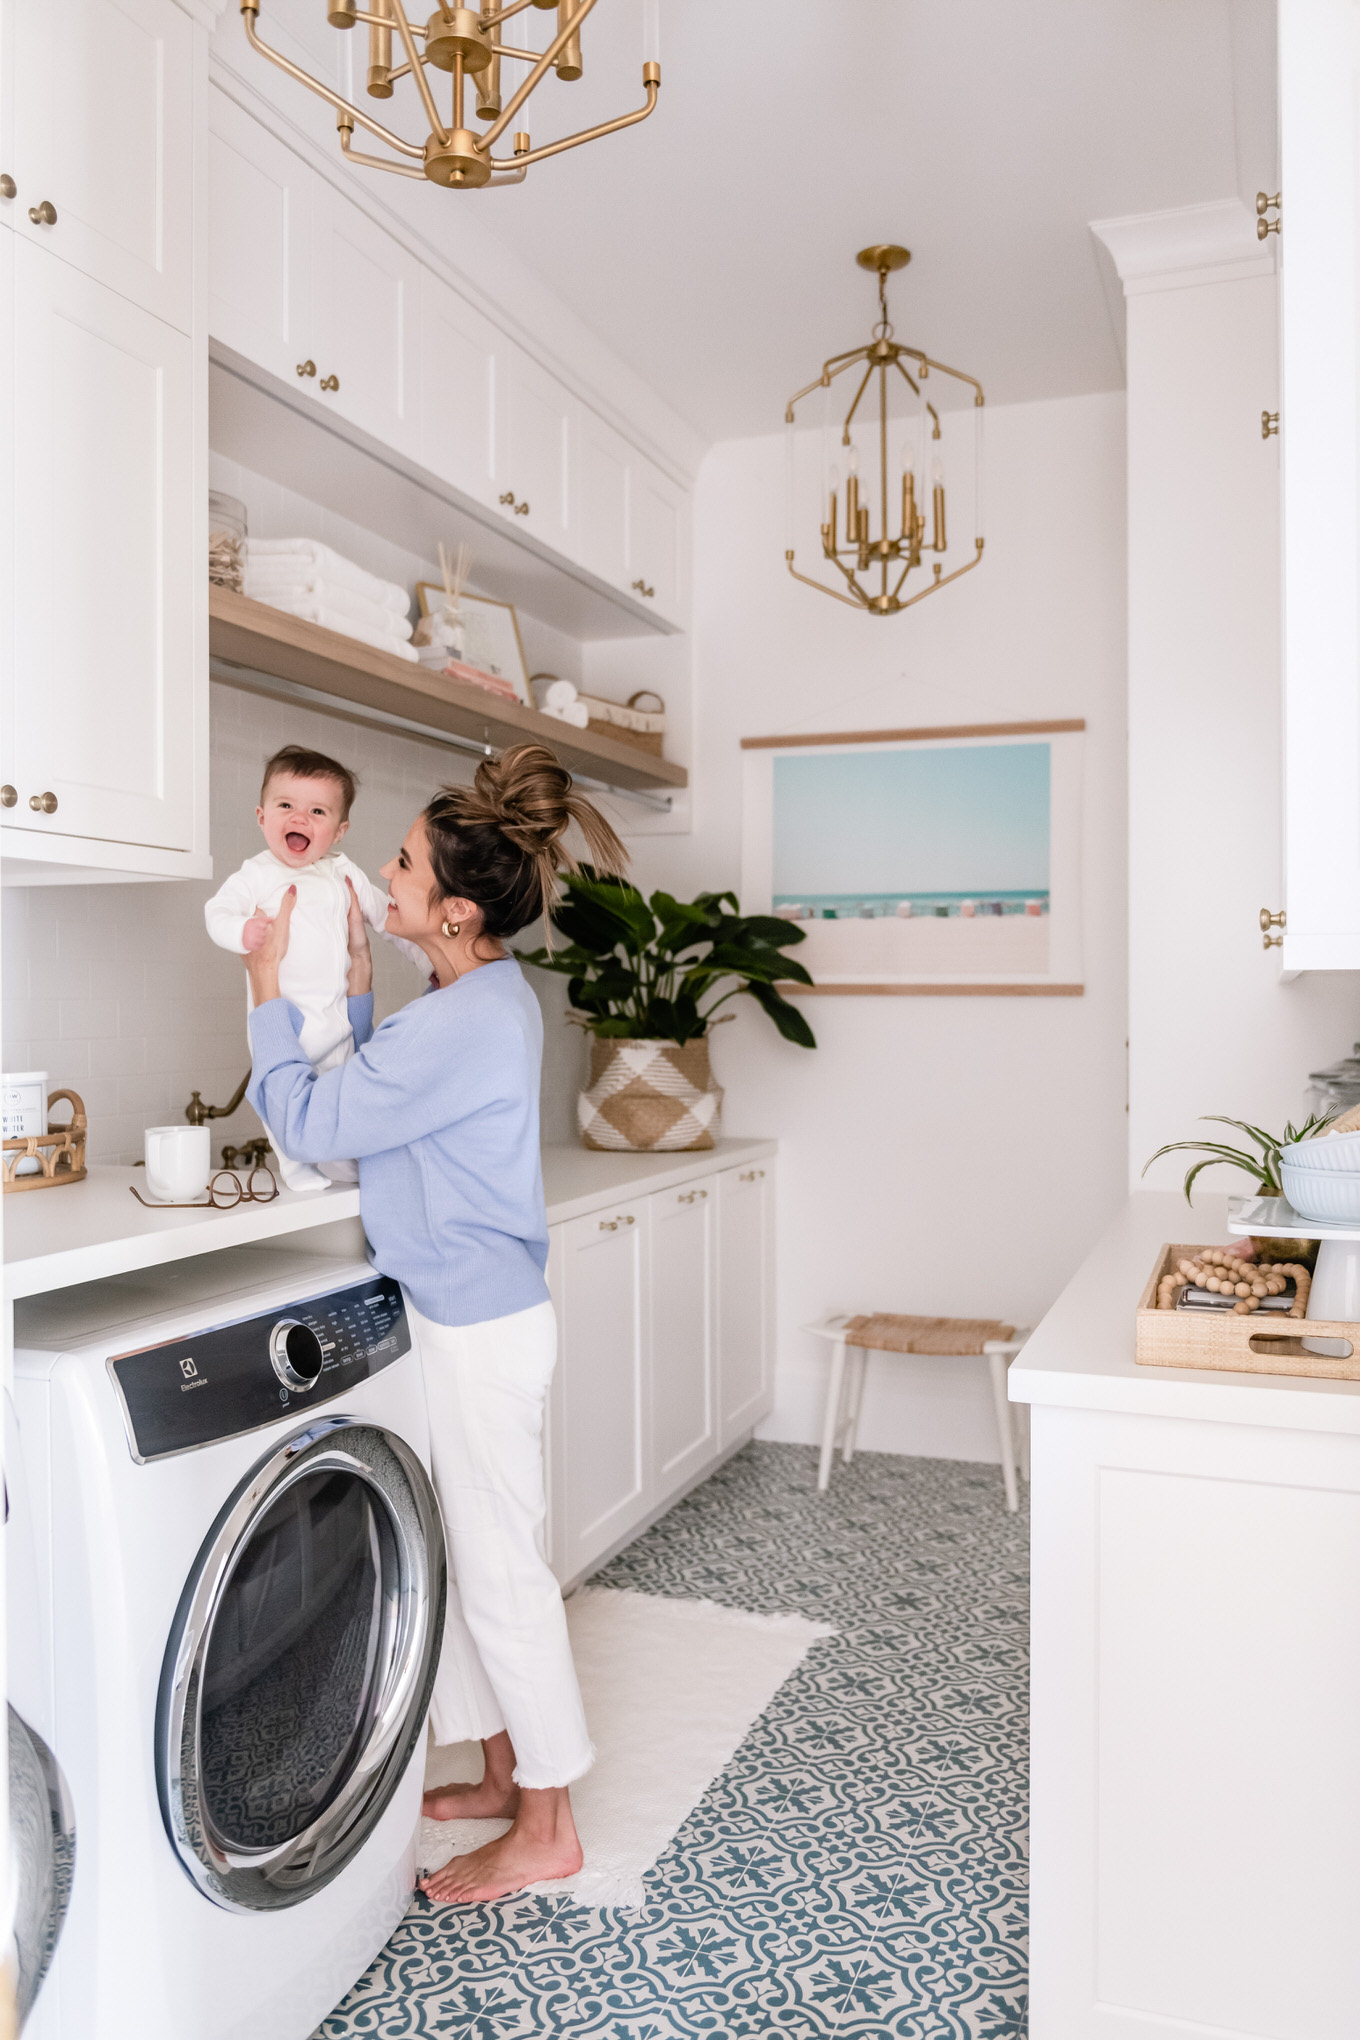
(1336, 1153)
(1324, 1194)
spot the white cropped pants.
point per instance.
(506, 1661)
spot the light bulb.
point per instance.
(852, 460)
(937, 473)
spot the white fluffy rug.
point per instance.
(670, 1690)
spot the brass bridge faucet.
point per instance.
(198, 1114)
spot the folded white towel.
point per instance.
(311, 557)
(552, 695)
(316, 612)
(265, 584)
(574, 712)
(624, 718)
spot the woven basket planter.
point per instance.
(653, 1097)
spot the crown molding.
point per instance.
(1188, 245)
(206, 12)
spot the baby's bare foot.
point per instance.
(487, 1800)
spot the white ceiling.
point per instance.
(713, 244)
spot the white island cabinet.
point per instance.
(104, 735)
(1196, 1665)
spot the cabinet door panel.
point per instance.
(259, 243)
(604, 501)
(745, 1298)
(656, 512)
(535, 449)
(604, 1389)
(684, 1412)
(103, 129)
(108, 558)
(366, 297)
(458, 390)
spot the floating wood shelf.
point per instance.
(253, 638)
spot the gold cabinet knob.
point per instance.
(43, 803)
(9, 796)
(8, 188)
(1267, 202)
(306, 368)
(1267, 921)
(1270, 424)
(44, 215)
(751, 1176)
(330, 382)
(515, 509)
(643, 589)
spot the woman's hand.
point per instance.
(360, 955)
(262, 964)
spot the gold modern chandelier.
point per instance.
(909, 432)
(467, 44)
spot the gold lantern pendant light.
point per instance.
(467, 44)
(899, 548)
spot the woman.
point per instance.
(440, 1104)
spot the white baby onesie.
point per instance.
(315, 969)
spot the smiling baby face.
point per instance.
(301, 818)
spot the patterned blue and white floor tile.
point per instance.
(859, 1869)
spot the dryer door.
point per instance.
(298, 1673)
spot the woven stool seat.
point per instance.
(850, 1341)
(887, 1333)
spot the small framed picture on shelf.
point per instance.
(491, 638)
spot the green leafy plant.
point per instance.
(643, 969)
(1264, 1166)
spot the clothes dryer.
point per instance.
(240, 1604)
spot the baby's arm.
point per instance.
(232, 914)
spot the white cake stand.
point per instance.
(1335, 1291)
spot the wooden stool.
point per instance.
(852, 1339)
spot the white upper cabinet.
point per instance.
(684, 1385)
(260, 243)
(656, 526)
(745, 1304)
(537, 434)
(1320, 444)
(604, 465)
(102, 143)
(366, 313)
(104, 708)
(458, 390)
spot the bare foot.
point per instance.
(487, 1800)
(542, 1844)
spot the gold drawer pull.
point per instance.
(43, 803)
(643, 589)
(44, 215)
(751, 1176)
(516, 509)
(9, 796)
(689, 1196)
(306, 368)
(613, 1224)
(8, 188)
(330, 382)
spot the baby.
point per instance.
(304, 811)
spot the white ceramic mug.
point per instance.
(23, 1110)
(178, 1162)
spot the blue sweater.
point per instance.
(440, 1106)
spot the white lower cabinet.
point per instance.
(745, 1300)
(664, 1309)
(683, 1347)
(602, 1484)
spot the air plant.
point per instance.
(1265, 1167)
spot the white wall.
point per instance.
(1212, 1029)
(950, 1155)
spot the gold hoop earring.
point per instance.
(453, 932)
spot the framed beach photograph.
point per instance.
(491, 635)
(929, 861)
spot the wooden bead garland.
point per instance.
(1224, 1273)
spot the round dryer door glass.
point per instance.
(297, 1679)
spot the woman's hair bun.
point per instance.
(525, 802)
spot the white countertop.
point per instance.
(97, 1228)
(1081, 1354)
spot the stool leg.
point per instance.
(854, 1399)
(997, 1363)
(831, 1422)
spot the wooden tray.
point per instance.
(1257, 1342)
(61, 1150)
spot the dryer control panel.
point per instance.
(242, 1376)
